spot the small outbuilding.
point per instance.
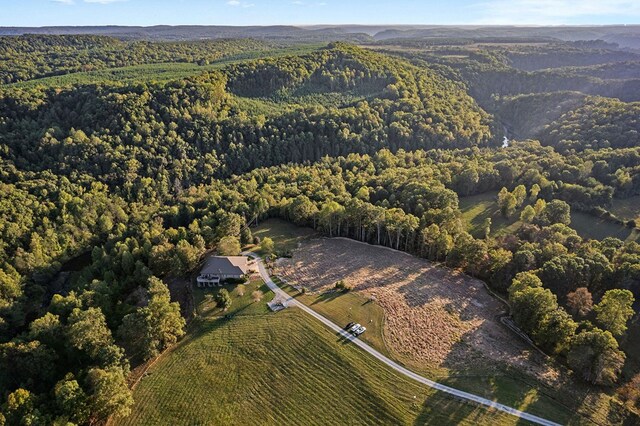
(219, 268)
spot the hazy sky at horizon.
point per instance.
(301, 12)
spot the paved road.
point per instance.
(452, 391)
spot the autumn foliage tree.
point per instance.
(580, 301)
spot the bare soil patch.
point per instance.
(435, 316)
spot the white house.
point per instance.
(218, 268)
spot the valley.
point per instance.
(366, 167)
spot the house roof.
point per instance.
(225, 265)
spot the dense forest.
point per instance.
(34, 56)
(143, 179)
(491, 74)
(186, 131)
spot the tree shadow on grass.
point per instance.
(565, 400)
(473, 413)
(327, 296)
(442, 409)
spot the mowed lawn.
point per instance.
(344, 308)
(285, 235)
(257, 367)
(476, 208)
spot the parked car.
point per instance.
(348, 326)
(354, 327)
(359, 330)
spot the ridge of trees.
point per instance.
(34, 56)
(598, 123)
(126, 135)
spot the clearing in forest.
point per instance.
(434, 316)
(476, 208)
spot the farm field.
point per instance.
(434, 316)
(476, 208)
(284, 368)
(478, 373)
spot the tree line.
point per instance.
(32, 56)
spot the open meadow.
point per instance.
(476, 208)
(438, 322)
(251, 366)
(434, 316)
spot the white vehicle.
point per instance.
(354, 327)
(360, 330)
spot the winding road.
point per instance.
(435, 385)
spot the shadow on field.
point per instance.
(516, 388)
(327, 296)
(520, 397)
(345, 340)
(435, 407)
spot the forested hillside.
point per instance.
(491, 74)
(184, 132)
(33, 56)
(528, 115)
(568, 55)
(599, 123)
(136, 181)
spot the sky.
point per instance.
(306, 12)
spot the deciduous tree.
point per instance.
(580, 301)
(614, 310)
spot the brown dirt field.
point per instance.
(435, 317)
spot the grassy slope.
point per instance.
(506, 386)
(343, 308)
(476, 208)
(627, 209)
(285, 236)
(286, 368)
(162, 72)
(503, 384)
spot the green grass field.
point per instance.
(161, 72)
(476, 208)
(627, 209)
(589, 226)
(343, 308)
(573, 403)
(285, 235)
(257, 367)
